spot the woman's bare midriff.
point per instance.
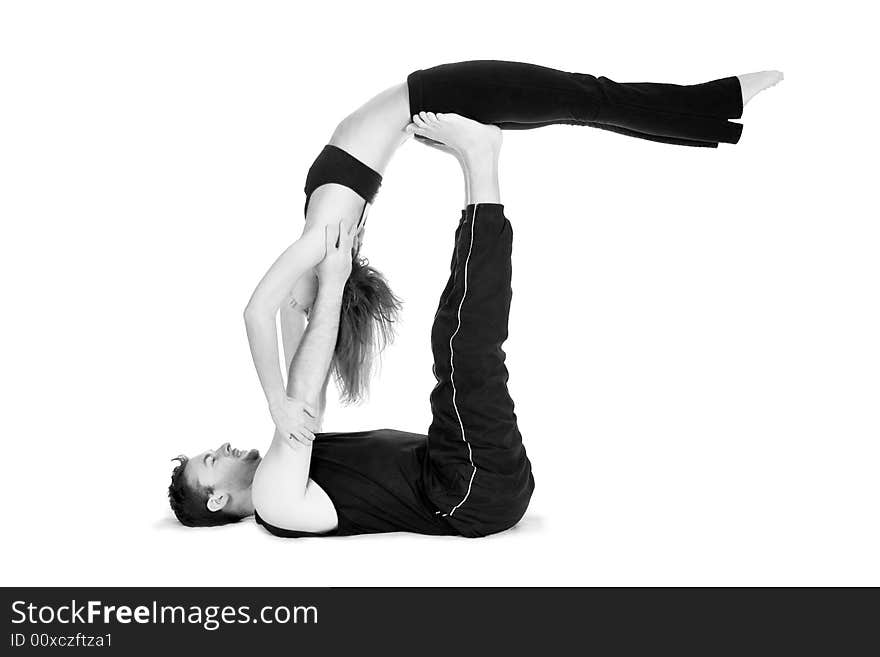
(372, 134)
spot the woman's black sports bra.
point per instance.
(334, 165)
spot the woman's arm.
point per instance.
(259, 315)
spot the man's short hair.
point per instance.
(190, 503)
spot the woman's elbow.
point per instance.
(255, 312)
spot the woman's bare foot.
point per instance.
(473, 143)
(754, 83)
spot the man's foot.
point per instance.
(754, 83)
(443, 148)
(472, 142)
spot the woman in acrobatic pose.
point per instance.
(344, 180)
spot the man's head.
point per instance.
(214, 487)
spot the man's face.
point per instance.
(224, 470)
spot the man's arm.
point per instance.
(311, 363)
(310, 366)
(293, 326)
(282, 492)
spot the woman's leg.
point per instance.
(513, 95)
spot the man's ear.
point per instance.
(217, 501)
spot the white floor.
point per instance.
(693, 346)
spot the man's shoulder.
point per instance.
(313, 514)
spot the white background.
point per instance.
(694, 337)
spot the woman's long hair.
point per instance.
(366, 327)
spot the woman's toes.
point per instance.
(417, 119)
(410, 128)
(432, 117)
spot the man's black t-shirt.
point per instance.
(374, 479)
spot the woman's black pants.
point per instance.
(518, 96)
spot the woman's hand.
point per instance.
(295, 420)
(336, 265)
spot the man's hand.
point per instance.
(295, 420)
(336, 265)
(359, 238)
